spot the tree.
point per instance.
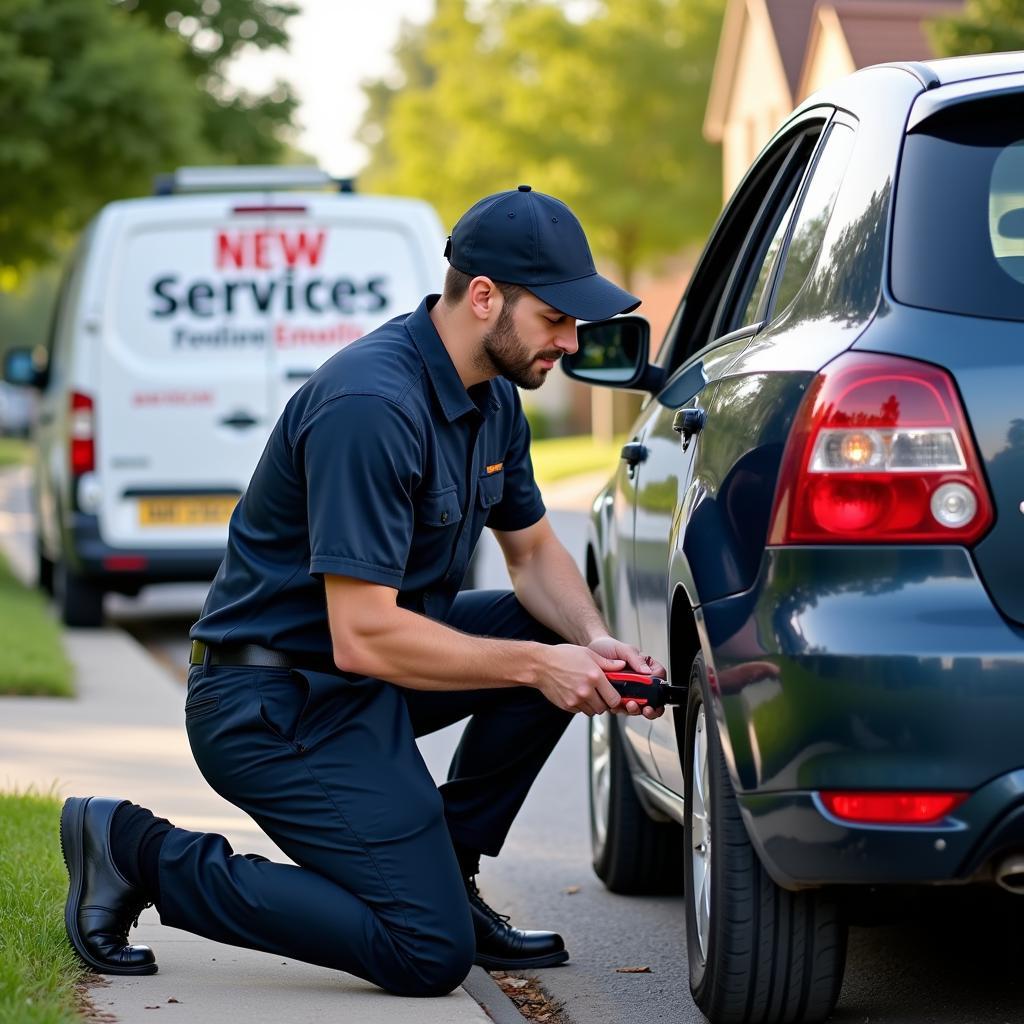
(604, 112)
(239, 127)
(986, 26)
(92, 104)
(97, 96)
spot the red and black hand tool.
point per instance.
(647, 691)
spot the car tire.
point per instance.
(632, 853)
(79, 600)
(758, 954)
(44, 569)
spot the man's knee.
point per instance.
(436, 966)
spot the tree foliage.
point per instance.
(605, 112)
(240, 127)
(95, 99)
(986, 26)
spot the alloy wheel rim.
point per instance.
(700, 832)
(600, 777)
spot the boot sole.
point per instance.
(72, 818)
(497, 963)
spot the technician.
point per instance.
(334, 634)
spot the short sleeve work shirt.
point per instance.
(382, 467)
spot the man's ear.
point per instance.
(484, 298)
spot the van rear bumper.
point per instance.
(127, 569)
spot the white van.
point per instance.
(184, 323)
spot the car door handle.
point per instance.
(634, 452)
(688, 422)
(239, 420)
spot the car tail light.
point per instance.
(892, 808)
(880, 453)
(81, 434)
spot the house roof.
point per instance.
(790, 22)
(878, 31)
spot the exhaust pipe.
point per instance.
(1009, 873)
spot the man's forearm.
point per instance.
(424, 654)
(550, 587)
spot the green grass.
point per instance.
(14, 452)
(32, 660)
(556, 458)
(38, 969)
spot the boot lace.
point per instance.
(474, 895)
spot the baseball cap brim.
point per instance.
(587, 298)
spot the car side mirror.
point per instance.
(613, 353)
(25, 367)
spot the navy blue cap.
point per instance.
(534, 240)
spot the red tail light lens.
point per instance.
(880, 453)
(892, 808)
(81, 431)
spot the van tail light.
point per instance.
(874, 808)
(82, 434)
(880, 453)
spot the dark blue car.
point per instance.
(818, 525)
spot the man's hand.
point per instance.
(573, 679)
(637, 661)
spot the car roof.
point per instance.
(983, 65)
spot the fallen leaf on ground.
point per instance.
(632, 970)
(517, 982)
(571, 890)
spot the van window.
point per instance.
(198, 288)
(958, 234)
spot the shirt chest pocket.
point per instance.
(439, 509)
(437, 529)
(490, 488)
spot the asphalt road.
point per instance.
(958, 961)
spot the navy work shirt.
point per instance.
(383, 467)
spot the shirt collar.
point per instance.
(455, 400)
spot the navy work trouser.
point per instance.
(329, 769)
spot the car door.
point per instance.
(721, 313)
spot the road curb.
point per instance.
(484, 989)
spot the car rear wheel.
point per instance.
(79, 600)
(758, 954)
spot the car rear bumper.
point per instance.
(129, 568)
(868, 669)
(801, 844)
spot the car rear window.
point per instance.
(958, 235)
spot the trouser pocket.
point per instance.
(283, 700)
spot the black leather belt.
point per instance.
(256, 657)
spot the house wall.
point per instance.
(760, 98)
(828, 56)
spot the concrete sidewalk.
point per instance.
(123, 735)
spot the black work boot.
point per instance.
(102, 904)
(500, 947)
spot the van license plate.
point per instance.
(205, 511)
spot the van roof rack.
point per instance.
(254, 178)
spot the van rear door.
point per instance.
(182, 407)
(218, 308)
(351, 263)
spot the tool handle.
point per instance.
(647, 691)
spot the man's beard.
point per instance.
(504, 350)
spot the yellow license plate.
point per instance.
(214, 510)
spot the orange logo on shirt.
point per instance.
(495, 468)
